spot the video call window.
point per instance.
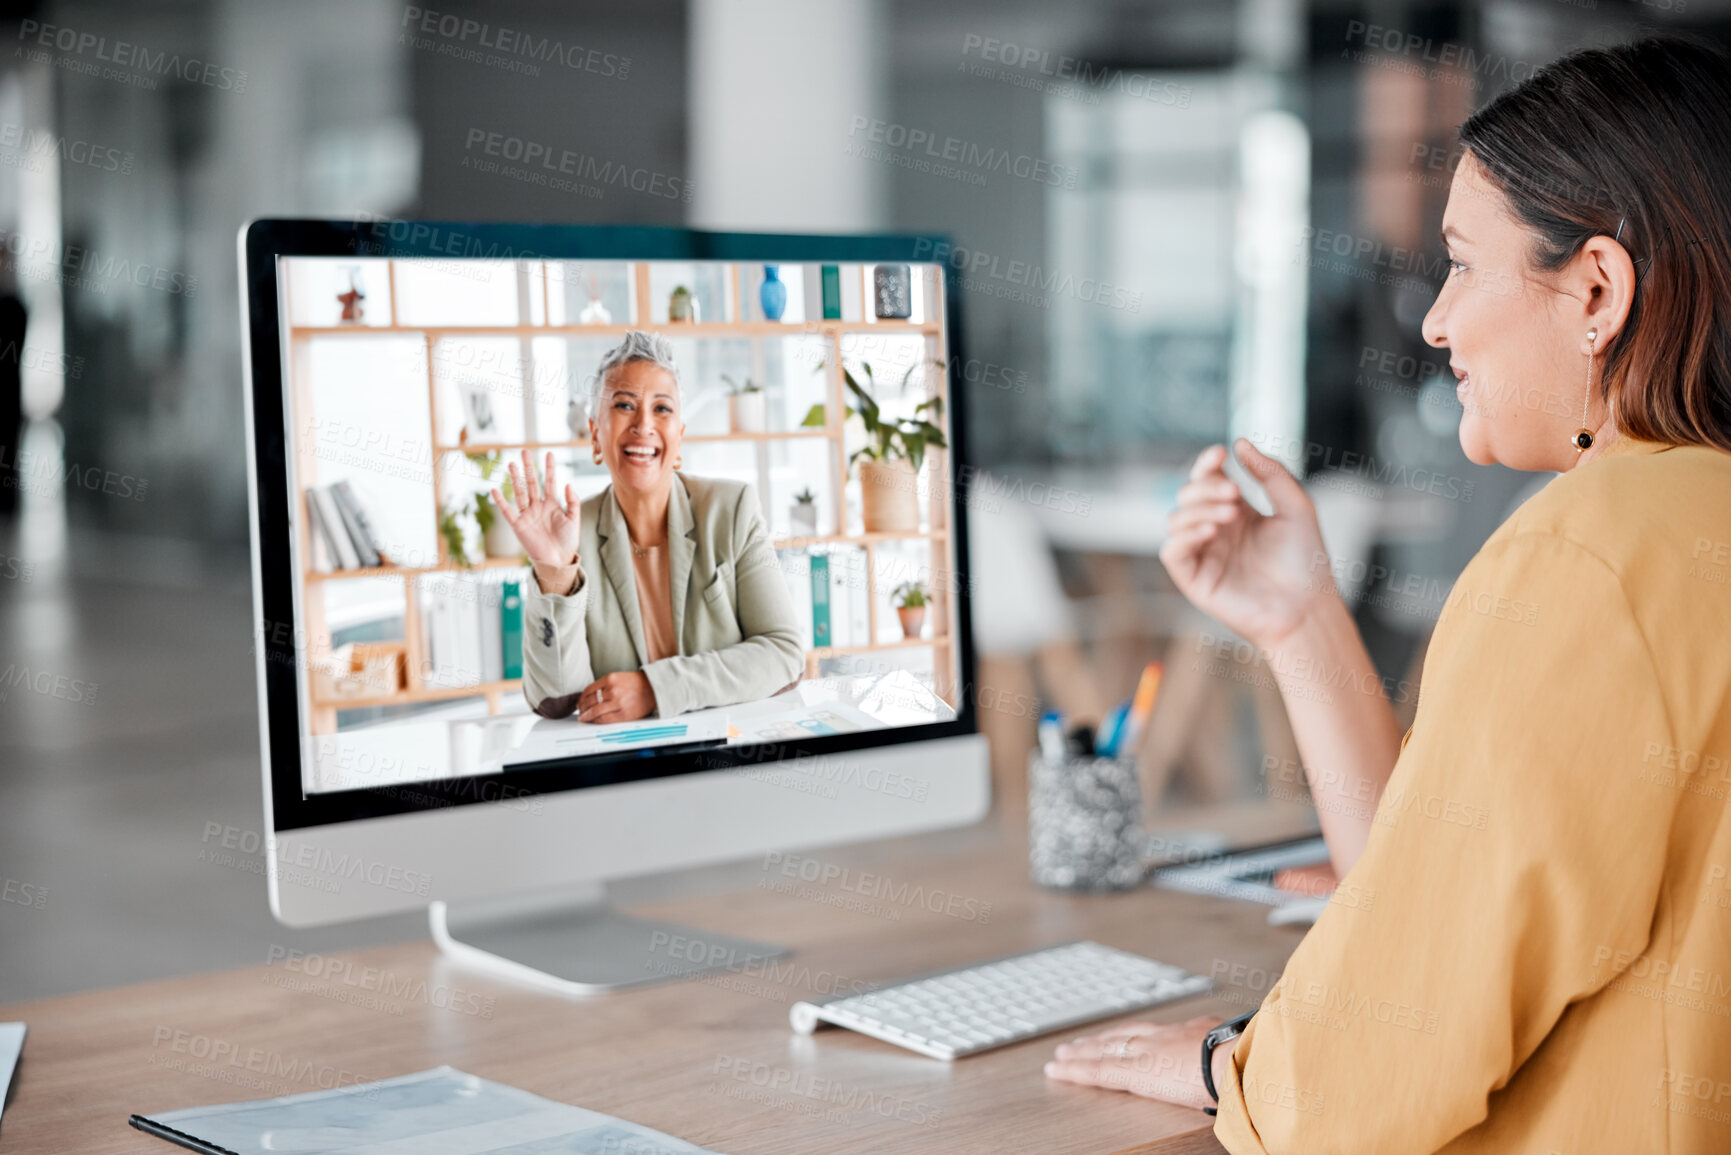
(413, 382)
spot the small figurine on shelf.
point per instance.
(802, 515)
(577, 418)
(747, 406)
(910, 601)
(353, 311)
(682, 306)
(594, 313)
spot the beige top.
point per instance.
(1534, 952)
(655, 600)
(734, 635)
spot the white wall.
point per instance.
(775, 86)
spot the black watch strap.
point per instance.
(1224, 1033)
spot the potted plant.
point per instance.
(747, 406)
(895, 449)
(803, 514)
(682, 306)
(911, 599)
(497, 538)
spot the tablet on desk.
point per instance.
(1247, 874)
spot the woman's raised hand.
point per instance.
(1259, 575)
(548, 530)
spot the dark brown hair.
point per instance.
(1636, 136)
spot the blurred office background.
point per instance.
(1172, 222)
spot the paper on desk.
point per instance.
(564, 738)
(437, 1112)
(11, 1046)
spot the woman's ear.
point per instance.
(1606, 283)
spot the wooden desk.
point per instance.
(710, 1061)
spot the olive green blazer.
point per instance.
(738, 637)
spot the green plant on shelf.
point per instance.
(473, 508)
(892, 438)
(909, 596)
(805, 497)
(737, 387)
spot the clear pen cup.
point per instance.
(1085, 823)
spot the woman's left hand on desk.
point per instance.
(1155, 1060)
(622, 697)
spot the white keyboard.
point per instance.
(976, 1008)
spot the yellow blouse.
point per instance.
(1534, 953)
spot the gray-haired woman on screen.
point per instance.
(681, 605)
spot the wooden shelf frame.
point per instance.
(533, 279)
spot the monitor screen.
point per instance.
(800, 594)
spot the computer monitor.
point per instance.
(394, 368)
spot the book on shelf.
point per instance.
(322, 548)
(473, 626)
(339, 523)
(342, 547)
(355, 519)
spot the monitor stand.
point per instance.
(575, 942)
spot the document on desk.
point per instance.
(11, 1046)
(437, 1112)
(563, 738)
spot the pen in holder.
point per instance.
(1084, 822)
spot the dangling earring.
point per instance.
(597, 455)
(679, 461)
(1583, 438)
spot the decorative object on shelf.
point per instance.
(802, 515)
(577, 419)
(892, 292)
(353, 310)
(773, 295)
(910, 600)
(895, 449)
(358, 670)
(831, 292)
(682, 306)
(747, 406)
(594, 313)
(479, 421)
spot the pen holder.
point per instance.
(1084, 823)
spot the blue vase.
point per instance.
(773, 295)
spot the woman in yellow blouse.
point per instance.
(1530, 948)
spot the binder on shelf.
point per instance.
(832, 292)
(356, 522)
(820, 590)
(453, 632)
(511, 629)
(852, 615)
(336, 536)
(796, 572)
(492, 631)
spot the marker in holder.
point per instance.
(1084, 823)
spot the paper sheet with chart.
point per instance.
(437, 1112)
(785, 718)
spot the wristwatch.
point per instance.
(1224, 1033)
